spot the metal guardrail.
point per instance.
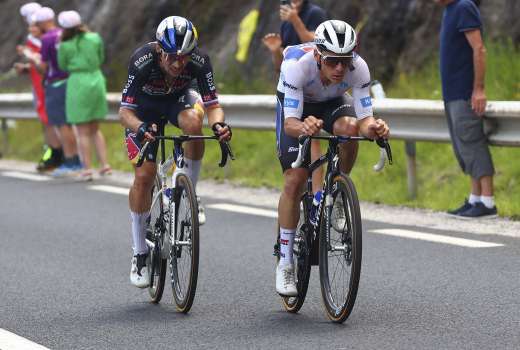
(410, 120)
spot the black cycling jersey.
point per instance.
(147, 80)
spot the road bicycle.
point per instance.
(172, 232)
(332, 240)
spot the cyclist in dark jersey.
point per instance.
(161, 77)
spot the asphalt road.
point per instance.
(64, 283)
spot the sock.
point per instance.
(192, 168)
(489, 201)
(473, 199)
(138, 234)
(286, 246)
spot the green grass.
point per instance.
(441, 184)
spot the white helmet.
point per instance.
(335, 36)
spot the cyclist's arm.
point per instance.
(137, 72)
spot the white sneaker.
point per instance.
(202, 214)
(285, 280)
(139, 275)
(338, 220)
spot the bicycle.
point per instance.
(172, 232)
(335, 234)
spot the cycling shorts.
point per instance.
(328, 111)
(159, 111)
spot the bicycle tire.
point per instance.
(339, 305)
(184, 257)
(301, 251)
(155, 233)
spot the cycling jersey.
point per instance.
(147, 81)
(300, 82)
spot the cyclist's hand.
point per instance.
(379, 128)
(222, 130)
(311, 125)
(146, 132)
(272, 41)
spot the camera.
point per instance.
(285, 2)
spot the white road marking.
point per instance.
(25, 176)
(110, 189)
(11, 341)
(244, 210)
(436, 238)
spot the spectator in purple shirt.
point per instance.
(55, 82)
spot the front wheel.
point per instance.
(340, 250)
(184, 251)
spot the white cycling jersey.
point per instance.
(300, 82)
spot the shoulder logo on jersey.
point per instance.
(143, 60)
(291, 103)
(198, 59)
(366, 102)
(297, 51)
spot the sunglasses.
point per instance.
(172, 57)
(333, 61)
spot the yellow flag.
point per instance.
(246, 31)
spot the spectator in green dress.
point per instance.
(81, 54)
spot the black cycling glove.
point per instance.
(222, 125)
(143, 128)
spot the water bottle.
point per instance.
(314, 208)
(166, 196)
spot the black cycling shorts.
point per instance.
(328, 111)
(160, 110)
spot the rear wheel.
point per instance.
(340, 251)
(184, 252)
(302, 264)
(156, 230)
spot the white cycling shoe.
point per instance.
(338, 219)
(202, 213)
(139, 275)
(285, 280)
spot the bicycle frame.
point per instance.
(331, 157)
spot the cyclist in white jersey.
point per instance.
(312, 96)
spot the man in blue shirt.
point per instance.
(299, 21)
(463, 66)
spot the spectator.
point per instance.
(299, 21)
(55, 82)
(81, 54)
(53, 155)
(463, 66)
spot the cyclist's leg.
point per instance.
(139, 196)
(188, 114)
(340, 121)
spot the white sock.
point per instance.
(138, 234)
(191, 169)
(489, 201)
(473, 199)
(286, 246)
